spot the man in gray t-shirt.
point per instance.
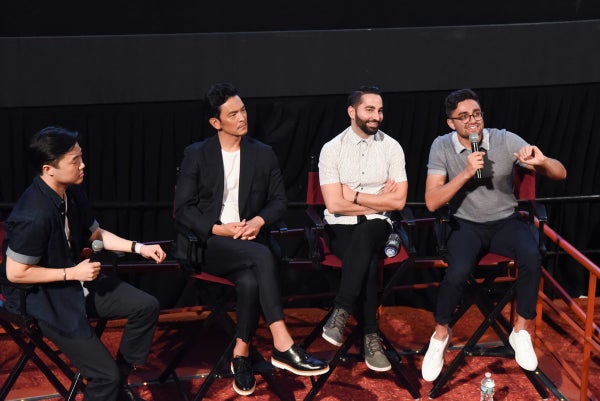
(477, 185)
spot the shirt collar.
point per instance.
(356, 139)
(49, 192)
(458, 147)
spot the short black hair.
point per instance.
(216, 96)
(355, 96)
(454, 98)
(49, 145)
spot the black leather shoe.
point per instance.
(298, 361)
(126, 394)
(244, 382)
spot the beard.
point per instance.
(362, 124)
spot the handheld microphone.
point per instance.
(474, 138)
(392, 245)
(97, 248)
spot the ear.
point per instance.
(47, 170)
(351, 112)
(451, 124)
(215, 122)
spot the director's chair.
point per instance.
(491, 288)
(33, 346)
(322, 255)
(219, 297)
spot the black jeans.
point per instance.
(359, 246)
(252, 267)
(469, 241)
(110, 299)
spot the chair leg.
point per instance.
(28, 349)
(502, 327)
(396, 361)
(337, 358)
(215, 371)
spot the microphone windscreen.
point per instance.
(97, 245)
(474, 138)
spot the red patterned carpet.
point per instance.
(408, 328)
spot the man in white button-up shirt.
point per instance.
(362, 175)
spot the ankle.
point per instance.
(441, 333)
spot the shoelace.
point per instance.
(339, 318)
(373, 344)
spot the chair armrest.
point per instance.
(406, 229)
(537, 209)
(443, 217)
(315, 218)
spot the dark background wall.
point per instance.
(130, 77)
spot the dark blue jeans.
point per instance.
(469, 241)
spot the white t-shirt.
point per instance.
(230, 211)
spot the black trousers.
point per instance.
(252, 267)
(110, 298)
(469, 241)
(359, 246)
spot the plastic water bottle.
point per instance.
(392, 245)
(487, 388)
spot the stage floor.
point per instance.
(407, 328)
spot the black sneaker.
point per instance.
(298, 361)
(244, 382)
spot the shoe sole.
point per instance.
(243, 392)
(239, 390)
(283, 365)
(380, 369)
(330, 340)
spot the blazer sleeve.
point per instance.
(195, 204)
(276, 202)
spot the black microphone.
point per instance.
(97, 248)
(474, 138)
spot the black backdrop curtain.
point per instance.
(132, 150)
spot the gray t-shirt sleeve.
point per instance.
(437, 162)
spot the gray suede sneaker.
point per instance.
(374, 356)
(333, 331)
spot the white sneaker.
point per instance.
(434, 358)
(524, 353)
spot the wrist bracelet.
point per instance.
(133, 246)
(138, 247)
(356, 198)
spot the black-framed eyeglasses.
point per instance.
(465, 118)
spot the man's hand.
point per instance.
(531, 155)
(474, 163)
(153, 251)
(251, 228)
(84, 271)
(347, 193)
(229, 229)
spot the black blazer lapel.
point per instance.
(215, 171)
(247, 168)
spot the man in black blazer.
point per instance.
(229, 191)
